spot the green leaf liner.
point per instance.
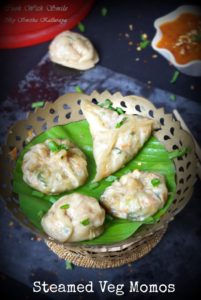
(152, 158)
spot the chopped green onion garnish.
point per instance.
(63, 147)
(93, 185)
(155, 182)
(196, 37)
(53, 146)
(81, 27)
(69, 265)
(144, 44)
(65, 206)
(106, 104)
(173, 97)
(178, 153)
(78, 89)
(121, 122)
(104, 11)
(120, 111)
(111, 178)
(37, 104)
(174, 77)
(85, 222)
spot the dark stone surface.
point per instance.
(177, 258)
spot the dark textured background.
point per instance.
(177, 258)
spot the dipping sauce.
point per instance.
(182, 37)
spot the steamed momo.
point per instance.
(54, 166)
(74, 218)
(73, 50)
(135, 196)
(116, 138)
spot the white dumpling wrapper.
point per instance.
(134, 197)
(54, 172)
(73, 50)
(114, 147)
(67, 224)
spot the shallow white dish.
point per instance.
(192, 68)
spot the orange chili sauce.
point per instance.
(178, 35)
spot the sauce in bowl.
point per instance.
(182, 37)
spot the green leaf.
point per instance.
(93, 185)
(153, 157)
(37, 104)
(174, 77)
(111, 178)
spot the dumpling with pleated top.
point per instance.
(136, 195)
(117, 138)
(74, 218)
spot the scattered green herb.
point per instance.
(85, 222)
(155, 182)
(81, 27)
(37, 104)
(196, 37)
(111, 178)
(53, 146)
(174, 77)
(65, 206)
(120, 111)
(104, 11)
(63, 147)
(93, 185)
(179, 152)
(121, 122)
(173, 97)
(106, 104)
(69, 265)
(144, 44)
(78, 89)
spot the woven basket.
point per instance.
(67, 109)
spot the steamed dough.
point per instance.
(73, 50)
(134, 197)
(54, 172)
(114, 146)
(74, 218)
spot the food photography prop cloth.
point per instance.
(38, 84)
(177, 257)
